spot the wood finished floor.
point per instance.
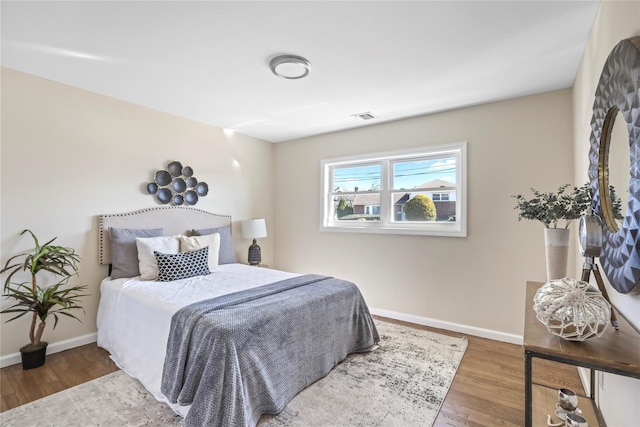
(488, 389)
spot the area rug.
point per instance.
(403, 382)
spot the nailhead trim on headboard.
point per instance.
(173, 219)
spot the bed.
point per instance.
(219, 341)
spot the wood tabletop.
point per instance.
(617, 352)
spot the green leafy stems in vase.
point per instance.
(551, 208)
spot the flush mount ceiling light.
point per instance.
(290, 66)
(368, 115)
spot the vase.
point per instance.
(556, 242)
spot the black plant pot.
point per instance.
(33, 357)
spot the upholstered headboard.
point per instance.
(172, 219)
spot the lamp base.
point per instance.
(255, 256)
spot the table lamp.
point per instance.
(254, 229)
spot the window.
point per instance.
(422, 191)
(372, 209)
(440, 197)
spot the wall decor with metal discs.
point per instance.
(177, 186)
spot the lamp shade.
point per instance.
(254, 228)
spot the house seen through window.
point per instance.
(421, 191)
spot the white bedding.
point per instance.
(134, 316)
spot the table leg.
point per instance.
(528, 391)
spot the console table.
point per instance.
(616, 352)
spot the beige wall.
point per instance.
(70, 155)
(616, 20)
(474, 282)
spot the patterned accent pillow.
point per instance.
(182, 265)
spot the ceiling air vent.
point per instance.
(364, 116)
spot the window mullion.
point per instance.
(384, 193)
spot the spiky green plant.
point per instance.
(56, 300)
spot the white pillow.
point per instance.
(147, 260)
(192, 243)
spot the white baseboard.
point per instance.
(465, 329)
(585, 379)
(56, 347)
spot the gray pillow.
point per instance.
(182, 265)
(124, 253)
(227, 255)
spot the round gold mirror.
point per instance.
(613, 168)
(614, 163)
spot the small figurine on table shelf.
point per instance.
(567, 408)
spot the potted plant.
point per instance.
(42, 301)
(556, 210)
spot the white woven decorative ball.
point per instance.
(572, 309)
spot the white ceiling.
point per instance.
(208, 61)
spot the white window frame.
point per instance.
(387, 225)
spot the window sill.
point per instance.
(441, 230)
